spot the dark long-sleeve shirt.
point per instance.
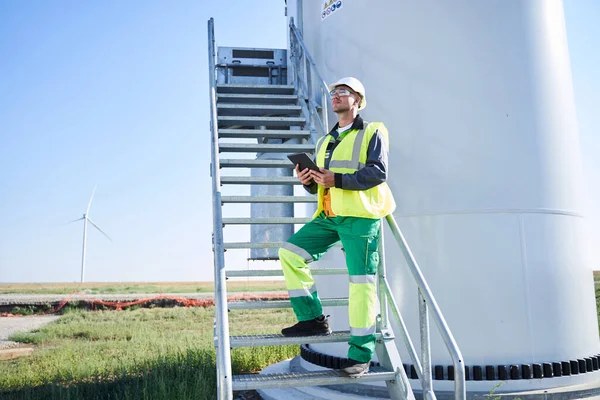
(372, 174)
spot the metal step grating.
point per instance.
(280, 340)
(252, 180)
(259, 245)
(258, 109)
(255, 89)
(265, 221)
(242, 273)
(255, 98)
(296, 379)
(265, 148)
(249, 163)
(264, 133)
(268, 199)
(229, 121)
(258, 304)
(252, 245)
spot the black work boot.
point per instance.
(317, 326)
(355, 369)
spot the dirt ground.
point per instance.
(10, 325)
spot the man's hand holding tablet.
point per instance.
(304, 165)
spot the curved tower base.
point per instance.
(379, 392)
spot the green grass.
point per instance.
(138, 354)
(132, 287)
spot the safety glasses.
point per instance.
(340, 92)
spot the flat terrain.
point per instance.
(154, 354)
(11, 326)
(138, 287)
(160, 353)
(148, 287)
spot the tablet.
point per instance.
(303, 160)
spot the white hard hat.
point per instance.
(355, 85)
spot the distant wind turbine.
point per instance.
(87, 219)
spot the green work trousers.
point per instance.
(360, 240)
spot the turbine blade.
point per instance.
(75, 220)
(97, 227)
(87, 211)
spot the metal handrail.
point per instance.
(296, 39)
(426, 302)
(224, 384)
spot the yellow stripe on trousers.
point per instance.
(296, 272)
(362, 305)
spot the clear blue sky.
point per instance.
(114, 93)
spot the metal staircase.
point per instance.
(290, 115)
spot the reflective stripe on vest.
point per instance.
(319, 145)
(354, 163)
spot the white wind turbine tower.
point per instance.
(87, 219)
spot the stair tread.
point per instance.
(255, 163)
(251, 245)
(254, 118)
(336, 334)
(265, 148)
(267, 133)
(255, 95)
(280, 340)
(308, 378)
(253, 180)
(243, 121)
(265, 220)
(282, 110)
(260, 106)
(258, 245)
(254, 89)
(256, 98)
(244, 85)
(254, 304)
(268, 199)
(278, 272)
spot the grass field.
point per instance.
(136, 354)
(136, 287)
(147, 287)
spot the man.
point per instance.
(353, 197)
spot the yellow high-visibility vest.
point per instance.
(349, 156)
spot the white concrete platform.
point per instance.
(358, 391)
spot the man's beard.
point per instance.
(341, 109)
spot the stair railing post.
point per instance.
(381, 275)
(426, 379)
(310, 64)
(324, 114)
(294, 56)
(440, 321)
(224, 384)
(300, 65)
(308, 81)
